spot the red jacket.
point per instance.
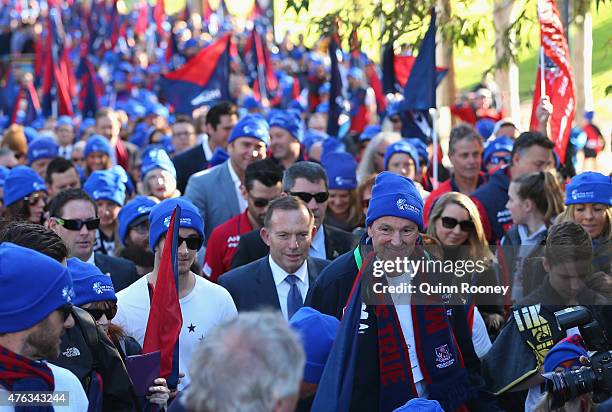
(222, 245)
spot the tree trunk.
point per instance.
(446, 93)
(506, 77)
(582, 55)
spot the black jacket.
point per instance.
(252, 286)
(252, 246)
(187, 163)
(122, 271)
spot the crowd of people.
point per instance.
(280, 226)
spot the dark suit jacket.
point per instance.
(252, 286)
(252, 247)
(123, 272)
(187, 163)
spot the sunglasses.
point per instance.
(451, 223)
(77, 224)
(495, 160)
(33, 199)
(110, 312)
(365, 203)
(65, 310)
(260, 202)
(193, 242)
(307, 197)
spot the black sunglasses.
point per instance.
(77, 224)
(451, 223)
(110, 312)
(307, 197)
(260, 202)
(193, 242)
(65, 310)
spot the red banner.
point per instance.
(559, 84)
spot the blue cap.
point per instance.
(159, 218)
(394, 108)
(295, 104)
(64, 121)
(402, 147)
(20, 182)
(32, 286)
(219, 156)
(395, 195)
(288, 120)
(317, 332)
(356, 73)
(97, 144)
(341, 170)
(588, 187)
(134, 209)
(369, 132)
(325, 88)
(485, 128)
(127, 181)
(155, 157)
(251, 103)
(42, 148)
(332, 145)
(420, 405)
(90, 284)
(312, 136)
(420, 147)
(105, 185)
(30, 133)
(253, 126)
(499, 144)
(570, 348)
(4, 171)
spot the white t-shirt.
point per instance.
(65, 381)
(206, 306)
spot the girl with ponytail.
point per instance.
(535, 200)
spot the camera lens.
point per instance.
(569, 385)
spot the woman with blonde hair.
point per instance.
(588, 198)
(373, 160)
(15, 139)
(455, 222)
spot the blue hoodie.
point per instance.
(493, 197)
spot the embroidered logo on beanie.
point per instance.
(184, 221)
(68, 293)
(99, 288)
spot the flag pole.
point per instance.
(434, 127)
(542, 74)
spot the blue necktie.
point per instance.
(294, 298)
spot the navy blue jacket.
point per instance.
(491, 199)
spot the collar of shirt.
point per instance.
(525, 238)
(242, 203)
(279, 273)
(318, 242)
(91, 259)
(207, 150)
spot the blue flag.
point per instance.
(203, 80)
(420, 89)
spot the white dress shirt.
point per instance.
(207, 150)
(283, 287)
(317, 246)
(242, 203)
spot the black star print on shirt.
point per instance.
(191, 328)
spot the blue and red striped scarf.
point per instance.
(18, 373)
(439, 357)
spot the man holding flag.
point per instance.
(201, 304)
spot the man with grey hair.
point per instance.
(307, 181)
(265, 342)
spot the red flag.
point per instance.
(376, 84)
(559, 84)
(159, 15)
(165, 317)
(142, 21)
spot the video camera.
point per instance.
(596, 378)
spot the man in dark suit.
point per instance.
(74, 217)
(308, 181)
(220, 120)
(282, 279)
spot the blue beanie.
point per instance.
(395, 195)
(42, 148)
(219, 156)
(402, 147)
(420, 147)
(369, 132)
(295, 104)
(251, 126)
(30, 133)
(134, 209)
(485, 128)
(105, 185)
(317, 332)
(64, 121)
(4, 171)
(288, 120)
(325, 88)
(90, 284)
(159, 218)
(97, 143)
(155, 157)
(500, 144)
(341, 170)
(588, 187)
(569, 348)
(355, 72)
(127, 181)
(32, 286)
(251, 103)
(313, 136)
(20, 182)
(420, 405)
(332, 145)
